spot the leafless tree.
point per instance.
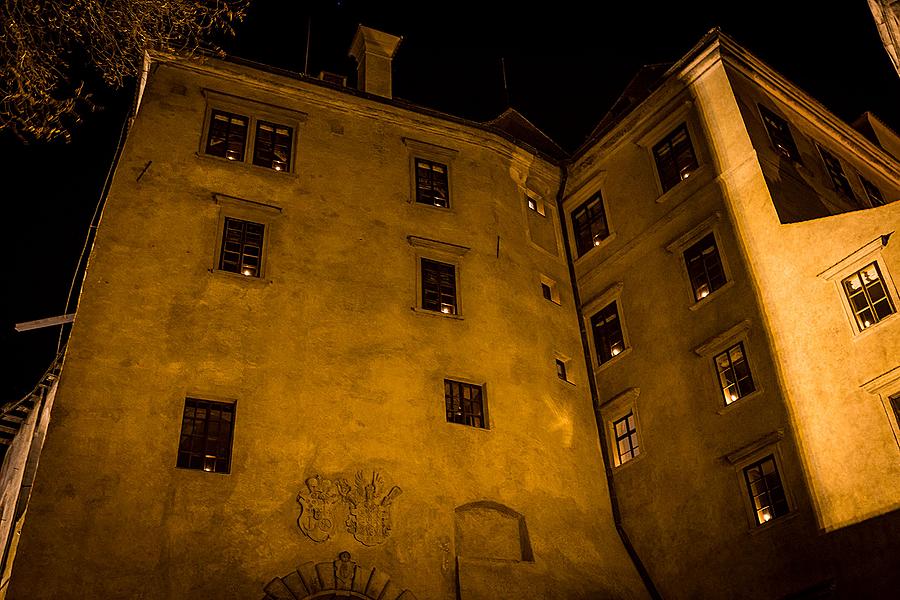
(43, 94)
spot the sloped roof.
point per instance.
(638, 89)
(515, 124)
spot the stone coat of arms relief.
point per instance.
(366, 505)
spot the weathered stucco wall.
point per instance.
(331, 369)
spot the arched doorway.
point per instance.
(334, 580)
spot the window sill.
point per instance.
(603, 244)
(260, 281)
(683, 187)
(436, 313)
(740, 401)
(756, 529)
(625, 465)
(487, 429)
(572, 383)
(613, 360)
(443, 209)
(700, 303)
(858, 335)
(243, 164)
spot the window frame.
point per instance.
(613, 411)
(792, 153)
(739, 333)
(845, 192)
(231, 207)
(594, 307)
(229, 458)
(441, 252)
(596, 195)
(552, 286)
(887, 388)
(871, 252)
(485, 416)
(420, 150)
(746, 456)
(867, 187)
(678, 246)
(254, 111)
(671, 132)
(566, 362)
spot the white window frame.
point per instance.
(554, 289)
(708, 350)
(615, 409)
(679, 245)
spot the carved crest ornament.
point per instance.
(365, 506)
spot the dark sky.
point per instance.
(565, 65)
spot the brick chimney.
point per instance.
(373, 51)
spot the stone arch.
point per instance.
(341, 578)
(487, 529)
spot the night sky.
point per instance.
(565, 65)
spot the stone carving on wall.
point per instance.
(368, 508)
(317, 502)
(370, 511)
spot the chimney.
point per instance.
(373, 51)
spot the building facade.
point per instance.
(334, 345)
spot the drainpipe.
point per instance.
(592, 383)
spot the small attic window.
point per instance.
(333, 78)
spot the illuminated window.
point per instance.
(704, 267)
(431, 183)
(872, 192)
(625, 430)
(589, 222)
(675, 158)
(439, 286)
(836, 172)
(780, 134)
(242, 243)
(535, 204)
(868, 296)
(464, 403)
(734, 373)
(206, 435)
(272, 146)
(607, 329)
(766, 491)
(227, 135)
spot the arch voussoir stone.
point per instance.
(341, 578)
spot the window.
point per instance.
(675, 158)
(872, 192)
(895, 406)
(734, 373)
(242, 243)
(549, 289)
(439, 286)
(206, 435)
(780, 134)
(589, 222)
(227, 135)
(465, 403)
(626, 439)
(535, 204)
(272, 146)
(868, 296)
(561, 369)
(608, 338)
(836, 172)
(704, 267)
(431, 183)
(765, 489)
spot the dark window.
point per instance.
(206, 430)
(868, 296)
(241, 247)
(227, 135)
(780, 134)
(734, 373)
(608, 338)
(836, 172)
(895, 405)
(589, 221)
(272, 146)
(765, 489)
(626, 438)
(431, 183)
(465, 403)
(547, 291)
(704, 267)
(872, 192)
(561, 369)
(675, 158)
(438, 287)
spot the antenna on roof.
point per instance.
(505, 87)
(306, 54)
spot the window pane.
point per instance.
(438, 286)
(205, 441)
(272, 146)
(608, 338)
(589, 223)
(432, 186)
(675, 158)
(241, 247)
(227, 135)
(464, 403)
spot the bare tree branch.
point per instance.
(42, 98)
